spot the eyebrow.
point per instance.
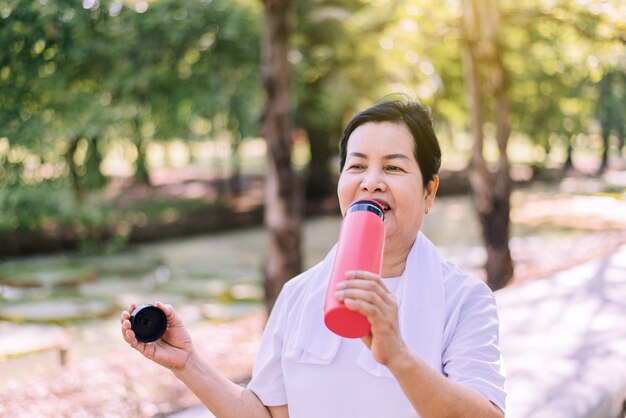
(386, 157)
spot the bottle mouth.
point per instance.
(367, 205)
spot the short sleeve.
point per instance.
(267, 374)
(471, 354)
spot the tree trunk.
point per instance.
(620, 113)
(604, 159)
(234, 181)
(568, 165)
(142, 175)
(76, 176)
(491, 190)
(283, 199)
(319, 182)
(606, 117)
(621, 139)
(93, 176)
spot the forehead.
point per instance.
(381, 138)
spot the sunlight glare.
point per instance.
(141, 6)
(91, 4)
(115, 8)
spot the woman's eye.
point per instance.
(393, 168)
(356, 167)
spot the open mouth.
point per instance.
(383, 204)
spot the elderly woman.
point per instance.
(433, 347)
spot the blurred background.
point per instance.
(136, 164)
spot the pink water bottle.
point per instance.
(360, 247)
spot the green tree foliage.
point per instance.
(556, 56)
(167, 69)
(554, 52)
(186, 69)
(76, 77)
(79, 75)
(333, 43)
(104, 69)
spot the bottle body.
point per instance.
(360, 247)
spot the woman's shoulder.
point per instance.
(469, 304)
(455, 281)
(460, 285)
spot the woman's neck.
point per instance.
(394, 259)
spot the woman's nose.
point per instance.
(373, 182)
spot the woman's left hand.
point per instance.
(366, 293)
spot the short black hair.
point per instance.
(415, 117)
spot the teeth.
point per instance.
(383, 206)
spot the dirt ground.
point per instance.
(123, 384)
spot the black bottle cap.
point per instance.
(368, 205)
(148, 323)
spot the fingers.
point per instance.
(366, 293)
(365, 280)
(362, 274)
(126, 314)
(129, 336)
(165, 308)
(131, 339)
(368, 309)
(170, 313)
(127, 333)
(364, 285)
(175, 334)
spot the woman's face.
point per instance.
(381, 166)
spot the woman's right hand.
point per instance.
(172, 350)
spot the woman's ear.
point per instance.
(431, 191)
(432, 186)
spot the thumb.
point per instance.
(170, 313)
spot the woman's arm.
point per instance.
(431, 394)
(176, 352)
(222, 396)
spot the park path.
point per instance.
(564, 342)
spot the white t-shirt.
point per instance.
(341, 384)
